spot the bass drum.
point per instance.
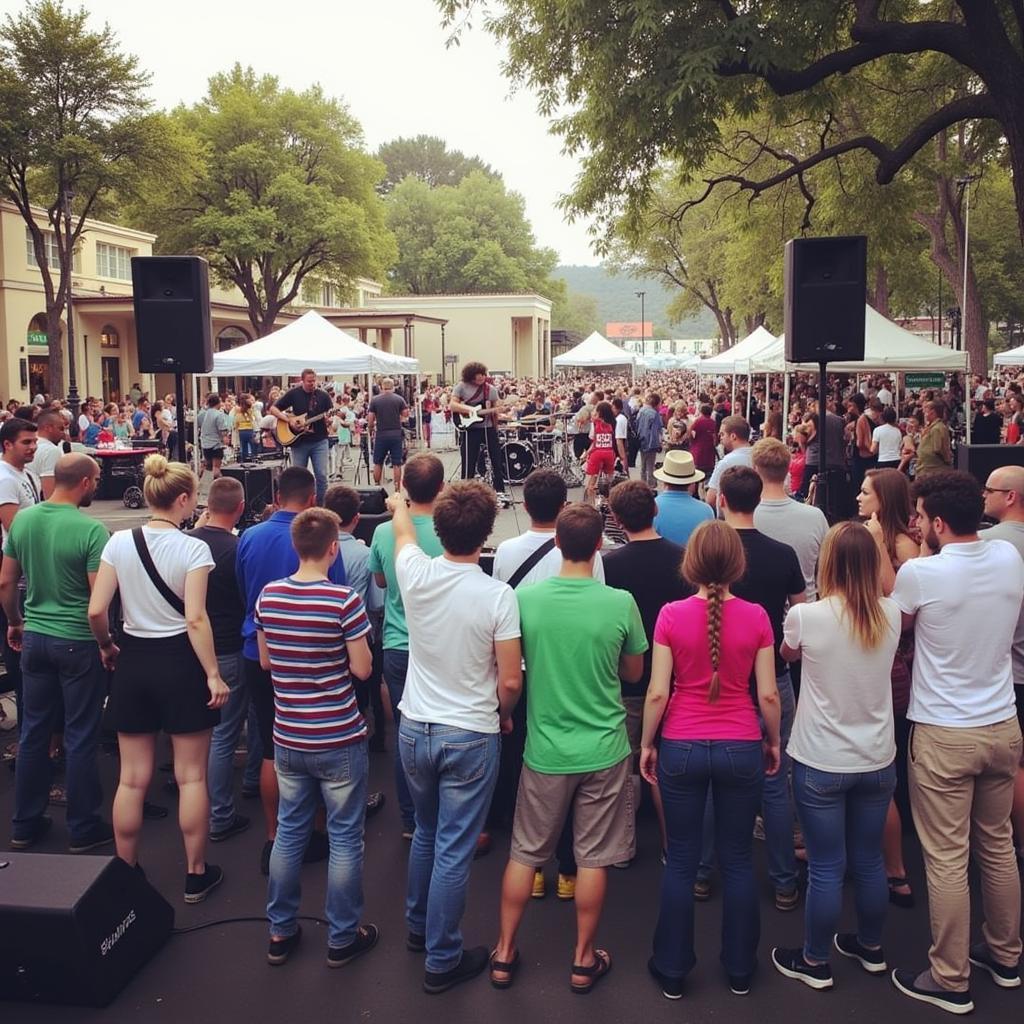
(518, 461)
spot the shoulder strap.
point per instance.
(523, 571)
(158, 581)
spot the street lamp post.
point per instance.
(73, 399)
(643, 326)
(964, 185)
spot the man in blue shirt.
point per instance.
(265, 554)
(649, 427)
(679, 512)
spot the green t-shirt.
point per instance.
(573, 633)
(56, 547)
(382, 559)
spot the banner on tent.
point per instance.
(917, 381)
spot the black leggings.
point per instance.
(470, 443)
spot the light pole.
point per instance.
(964, 185)
(643, 334)
(73, 399)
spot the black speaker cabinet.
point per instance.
(372, 501)
(172, 314)
(826, 288)
(980, 459)
(75, 929)
(259, 481)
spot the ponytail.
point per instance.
(714, 636)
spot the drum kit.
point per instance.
(535, 442)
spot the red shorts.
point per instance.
(600, 461)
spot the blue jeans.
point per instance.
(733, 770)
(52, 669)
(451, 774)
(340, 777)
(396, 665)
(314, 451)
(220, 773)
(843, 816)
(776, 806)
(246, 448)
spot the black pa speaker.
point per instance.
(172, 314)
(372, 501)
(981, 459)
(826, 288)
(75, 929)
(259, 481)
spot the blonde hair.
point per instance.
(771, 459)
(166, 481)
(714, 559)
(848, 569)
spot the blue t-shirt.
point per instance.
(679, 514)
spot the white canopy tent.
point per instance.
(595, 350)
(738, 358)
(1012, 357)
(310, 341)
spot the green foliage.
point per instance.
(577, 313)
(279, 187)
(470, 237)
(428, 158)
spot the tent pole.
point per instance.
(195, 424)
(785, 405)
(750, 379)
(734, 391)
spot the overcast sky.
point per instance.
(386, 58)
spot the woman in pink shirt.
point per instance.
(705, 650)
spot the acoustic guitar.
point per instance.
(288, 432)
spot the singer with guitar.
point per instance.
(476, 398)
(302, 426)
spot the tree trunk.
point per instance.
(878, 296)
(55, 348)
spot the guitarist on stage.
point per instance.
(475, 394)
(307, 401)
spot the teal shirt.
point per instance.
(382, 560)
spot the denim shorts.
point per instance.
(383, 446)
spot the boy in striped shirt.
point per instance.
(312, 637)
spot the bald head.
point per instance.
(72, 468)
(1004, 494)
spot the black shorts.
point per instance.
(261, 693)
(159, 684)
(209, 454)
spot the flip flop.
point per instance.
(508, 968)
(595, 972)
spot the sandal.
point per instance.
(509, 968)
(900, 899)
(595, 972)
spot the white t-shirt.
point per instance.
(47, 454)
(513, 552)
(146, 611)
(884, 396)
(844, 717)
(621, 427)
(737, 457)
(455, 613)
(1013, 533)
(802, 527)
(889, 441)
(967, 599)
(18, 487)
(83, 423)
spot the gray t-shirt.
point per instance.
(464, 392)
(802, 527)
(212, 427)
(388, 407)
(1014, 533)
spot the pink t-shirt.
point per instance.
(682, 626)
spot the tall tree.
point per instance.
(576, 313)
(428, 158)
(75, 137)
(281, 188)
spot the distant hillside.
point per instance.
(616, 299)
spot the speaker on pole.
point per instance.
(826, 289)
(75, 929)
(981, 459)
(172, 314)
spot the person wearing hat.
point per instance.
(679, 512)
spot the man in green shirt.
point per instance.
(58, 549)
(580, 639)
(423, 479)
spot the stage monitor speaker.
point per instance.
(371, 501)
(259, 482)
(75, 929)
(826, 289)
(980, 459)
(172, 314)
(368, 524)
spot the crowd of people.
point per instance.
(750, 667)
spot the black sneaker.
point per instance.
(366, 938)
(739, 984)
(787, 899)
(791, 964)
(99, 835)
(872, 960)
(318, 848)
(416, 943)
(472, 963)
(671, 988)
(239, 823)
(1004, 977)
(198, 887)
(952, 1002)
(280, 949)
(268, 849)
(42, 827)
(702, 890)
(374, 804)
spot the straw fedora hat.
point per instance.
(678, 468)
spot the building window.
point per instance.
(52, 255)
(109, 337)
(114, 261)
(231, 337)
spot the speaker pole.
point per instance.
(179, 401)
(823, 437)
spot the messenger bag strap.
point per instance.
(158, 581)
(524, 570)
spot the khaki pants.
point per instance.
(961, 792)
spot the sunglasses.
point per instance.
(997, 490)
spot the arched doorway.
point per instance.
(38, 356)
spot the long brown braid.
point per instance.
(714, 559)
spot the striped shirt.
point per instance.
(306, 626)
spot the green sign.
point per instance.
(37, 338)
(917, 381)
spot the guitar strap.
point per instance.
(478, 396)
